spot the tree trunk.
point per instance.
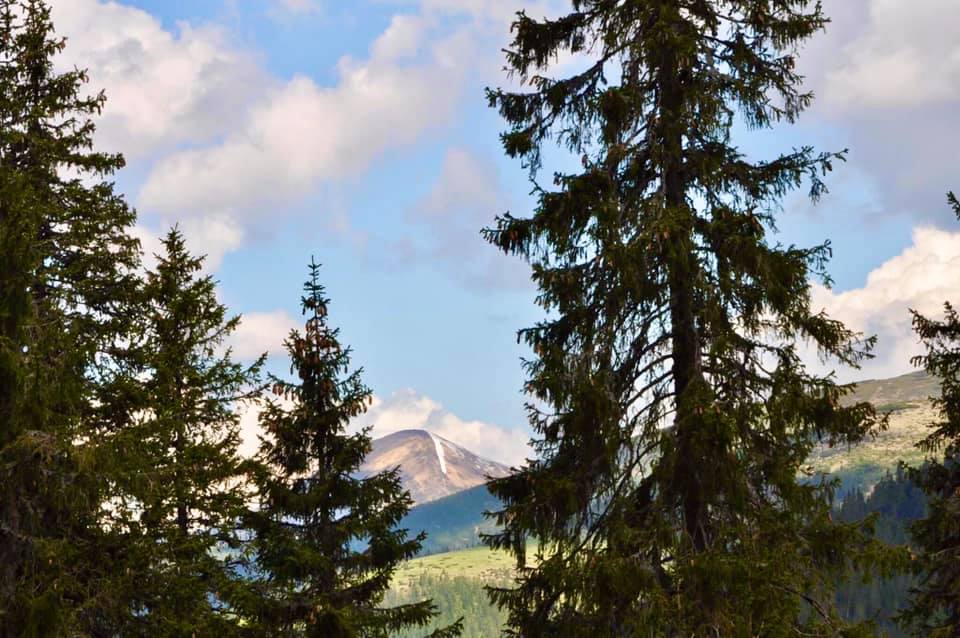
(682, 266)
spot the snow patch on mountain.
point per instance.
(431, 466)
(440, 456)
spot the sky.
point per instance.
(356, 132)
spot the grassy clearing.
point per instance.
(477, 562)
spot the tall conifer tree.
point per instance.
(935, 608)
(66, 264)
(182, 485)
(326, 541)
(672, 409)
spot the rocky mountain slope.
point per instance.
(906, 400)
(431, 467)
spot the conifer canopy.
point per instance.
(67, 261)
(326, 539)
(180, 481)
(672, 407)
(935, 607)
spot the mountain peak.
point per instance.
(431, 467)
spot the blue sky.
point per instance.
(357, 132)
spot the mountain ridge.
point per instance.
(431, 467)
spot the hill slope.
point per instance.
(453, 522)
(431, 467)
(906, 400)
(457, 520)
(455, 579)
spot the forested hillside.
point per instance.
(453, 522)
(456, 521)
(456, 580)
(456, 597)
(897, 503)
(870, 483)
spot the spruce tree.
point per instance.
(935, 606)
(181, 490)
(66, 264)
(326, 541)
(672, 409)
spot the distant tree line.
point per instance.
(895, 503)
(456, 597)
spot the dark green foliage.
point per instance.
(672, 407)
(309, 578)
(935, 608)
(895, 502)
(455, 597)
(66, 263)
(180, 487)
(453, 522)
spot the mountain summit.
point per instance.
(431, 467)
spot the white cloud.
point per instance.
(212, 235)
(466, 181)
(922, 277)
(250, 430)
(261, 332)
(162, 88)
(407, 410)
(887, 79)
(909, 55)
(402, 39)
(302, 134)
(229, 145)
(209, 236)
(501, 12)
(150, 246)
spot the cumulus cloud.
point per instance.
(887, 77)
(302, 133)
(922, 277)
(227, 142)
(162, 87)
(261, 332)
(466, 180)
(211, 236)
(250, 430)
(403, 38)
(298, 6)
(150, 246)
(231, 142)
(501, 12)
(407, 410)
(909, 55)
